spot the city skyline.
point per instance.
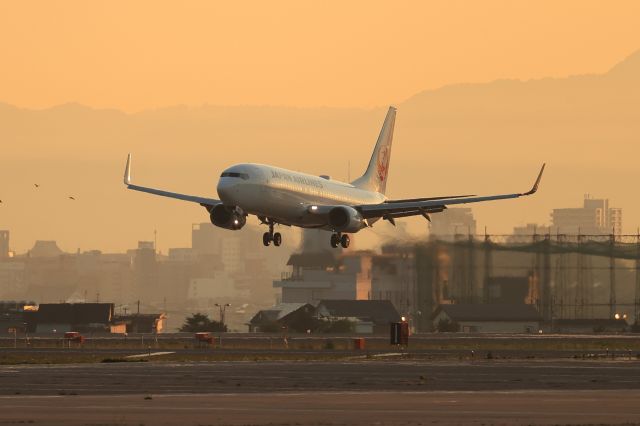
(456, 220)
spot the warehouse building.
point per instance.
(489, 318)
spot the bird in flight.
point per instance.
(71, 198)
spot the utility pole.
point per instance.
(470, 284)
(488, 262)
(579, 294)
(223, 308)
(612, 275)
(547, 299)
(637, 295)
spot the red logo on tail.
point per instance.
(383, 163)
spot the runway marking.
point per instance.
(552, 394)
(149, 354)
(324, 409)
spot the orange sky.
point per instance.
(146, 54)
(151, 54)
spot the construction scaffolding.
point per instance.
(570, 276)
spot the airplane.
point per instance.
(283, 197)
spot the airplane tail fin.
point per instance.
(375, 177)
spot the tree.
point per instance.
(199, 322)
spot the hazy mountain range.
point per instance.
(466, 138)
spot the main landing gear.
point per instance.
(340, 239)
(270, 236)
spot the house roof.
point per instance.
(377, 311)
(75, 313)
(276, 312)
(139, 318)
(489, 312)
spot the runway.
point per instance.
(332, 408)
(356, 392)
(293, 376)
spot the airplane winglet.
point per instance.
(534, 189)
(127, 171)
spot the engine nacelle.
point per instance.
(228, 217)
(345, 219)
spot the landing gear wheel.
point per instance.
(266, 239)
(277, 239)
(335, 240)
(344, 241)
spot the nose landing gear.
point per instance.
(271, 236)
(340, 239)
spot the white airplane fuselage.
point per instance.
(285, 195)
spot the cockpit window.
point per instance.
(244, 176)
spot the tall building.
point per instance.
(318, 273)
(451, 222)
(394, 278)
(145, 269)
(326, 276)
(531, 229)
(205, 238)
(4, 244)
(594, 217)
(615, 220)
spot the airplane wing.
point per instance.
(428, 198)
(404, 208)
(194, 199)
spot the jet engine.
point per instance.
(345, 219)
(228, 217)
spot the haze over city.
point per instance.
(477, 112)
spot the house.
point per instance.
(588, 326)
(12, 316)
(488, 318)
(370, 316)
(139, 323)
(291, 316)
(63, 317)
(319, 274)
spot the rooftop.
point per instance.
(489, 312)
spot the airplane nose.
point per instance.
(226, 190)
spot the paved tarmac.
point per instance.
(359, 392)
(330, 408)
(287, 376)
(433, 352)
